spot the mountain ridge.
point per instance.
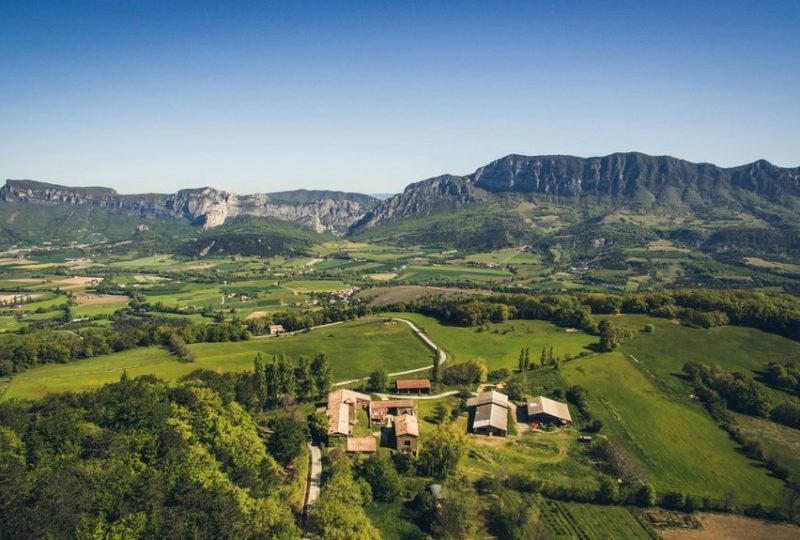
(630, 179)
(204, 207)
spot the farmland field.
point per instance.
(590, 522)
(392, 346)
(677, 443)
(500, 346)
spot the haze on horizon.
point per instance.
(256, 96)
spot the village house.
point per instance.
(406, 432)
(545, 410)
(276, 329)
(416, 386)
(379, 410)
(341, 411)
(489, 413)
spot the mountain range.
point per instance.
(521, 195)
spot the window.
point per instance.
(406, 443)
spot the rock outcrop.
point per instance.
(206, 207)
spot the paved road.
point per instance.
(314, 479)
(428, 341)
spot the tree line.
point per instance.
(771, 312)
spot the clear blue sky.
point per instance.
(369, 96)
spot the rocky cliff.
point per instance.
(206, 207)
(629, 180)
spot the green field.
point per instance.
(590, 522)
(732, 348)
(314, 285)
(421, 274)
(354, 349)
(554, 458)
(500, 346)
(678, 443)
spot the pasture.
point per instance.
(731, 348)
(500, 346)
(354, 349)
(676, 442)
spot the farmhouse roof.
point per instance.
(413, 384)
(543, 405)
(491, 396)
(391, 404)
(344, 395)
(361, 444)
(491, 415)
(339, 420)
(406, 424)
(338, 411)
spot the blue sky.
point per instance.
(369, 96)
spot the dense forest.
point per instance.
(139, 459)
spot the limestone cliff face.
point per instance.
(625, 180)
(206, 207)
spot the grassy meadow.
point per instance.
(354, 349)
(500, 346)
(678, 443)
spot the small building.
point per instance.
(276, 329)
(361, 445)
(489, 413)
(416, 386)
(379, 410)
(341, 411)
(406, 432)
(545, 410)
(437, 492)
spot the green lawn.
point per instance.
(354, 349)
(502, 349)
(678, 443)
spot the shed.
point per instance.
(544, 409)
(419, 386)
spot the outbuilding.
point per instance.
(545, 410)
(489, 413)
(413, 386)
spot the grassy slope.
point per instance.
(392, 346)
(502, 350)
(354, 349)
(678, 443)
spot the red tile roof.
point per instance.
(413, 384)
